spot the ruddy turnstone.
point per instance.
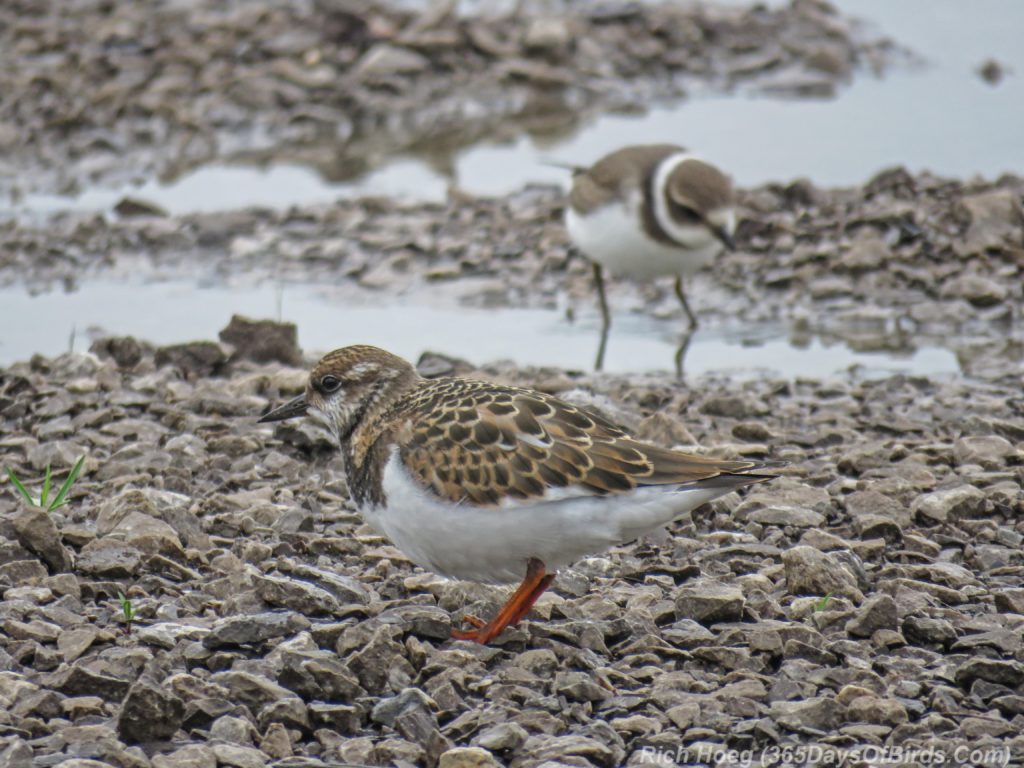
(650, 210)
(485, 482)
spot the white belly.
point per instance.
(494, 544)
(613, 237)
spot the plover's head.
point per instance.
(347, 386)
(694, 202)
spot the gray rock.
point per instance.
(579, 686)
(871, 503)
(374, 663)
(23, 572)
(988, 451)
(254, 628)
(798, 517)
(254, 691)
(923, 630)
(812, 572)
(736, 406)
(995, 218)
(148, 534)
(236, 730)
(709, 602)
(976, 289)
(38, 533)
(16, 754)
(384, 59)
(1010, 601)
(109, 559)
(1008, 673)
(276, 743)
(877, 612)
(549, 34)
(467, 757)
(386, 711)
(188, 756)
(421, 620)
(262, 341)
(504, 737)
(196, 360)
(290, 711)
(150, 712)
(877, 710)
(342, 718)
(822, 713)
(950, 504)
(296, 594)
(79, 680)
(237, 756)
(74, 642)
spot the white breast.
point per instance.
(493, 545)
(614, 237)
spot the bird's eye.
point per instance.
(330, 383)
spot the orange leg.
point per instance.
(533, 586)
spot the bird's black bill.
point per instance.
(725, 238)
(290, 410)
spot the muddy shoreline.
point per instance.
(101, 93)
(900, 262)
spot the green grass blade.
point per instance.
(59, 501)
(46, 487)
(19, 486)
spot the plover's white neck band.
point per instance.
(686, 235)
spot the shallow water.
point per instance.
(939, 116)
(52, 323)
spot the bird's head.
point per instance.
(698, 197)
(347, 385)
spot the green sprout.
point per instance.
(44, 498)
(127, 612)
(822, 603)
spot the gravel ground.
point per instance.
(871, 596)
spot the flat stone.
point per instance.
(877, 612)
(467, 757)
(109, 559)
(188, 756)
(236, 756)
(709, 602)
(795, 516)
(296, 594)
(38, 533)
(384, 59)
(73, 643)
(812, 572)
(254, 628)
(150, 712)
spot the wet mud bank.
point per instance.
(105, 93)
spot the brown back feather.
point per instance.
(478, 442)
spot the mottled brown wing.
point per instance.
(612, 175)
(481, 443)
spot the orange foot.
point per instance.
(533, 586)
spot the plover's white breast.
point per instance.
(614, 237)
(493, 544)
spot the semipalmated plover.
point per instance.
(650, 210)
(491, 483)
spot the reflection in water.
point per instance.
(958, 126)
(326, 319)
